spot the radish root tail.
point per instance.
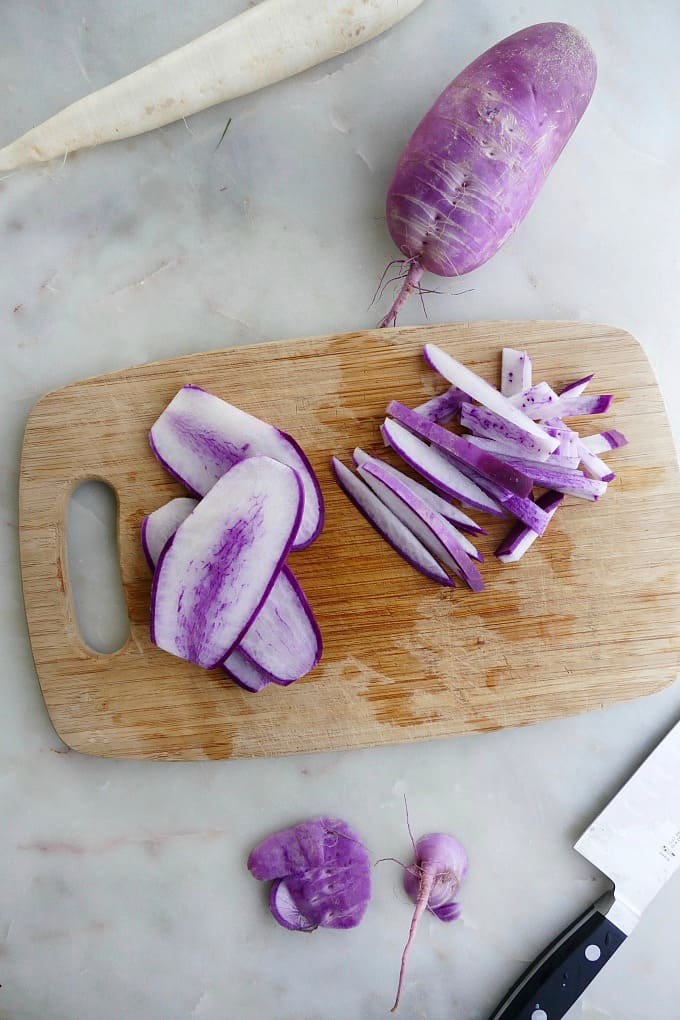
(411, 283)
(426, 883)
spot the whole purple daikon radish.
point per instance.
(476, 162)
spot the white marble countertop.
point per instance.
(123, 891)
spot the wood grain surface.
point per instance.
(590, 616)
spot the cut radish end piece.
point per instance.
(285, 911)
(246, 673)
(199, 437)
(574, 407)
(215, 574)
(388, 524)
(604, 441)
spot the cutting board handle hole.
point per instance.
(94, 567)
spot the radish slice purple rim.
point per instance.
(158, 527)
(214, 575)
(199, 436)
(395, 533)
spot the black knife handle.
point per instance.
(558, 977)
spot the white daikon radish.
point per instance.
(265, 44)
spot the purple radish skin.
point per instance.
(443, 408)
(245, 673)
(432, 882)
(325, 871)
(478, 159)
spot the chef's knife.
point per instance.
(635, 841)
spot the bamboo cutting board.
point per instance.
(591, 616)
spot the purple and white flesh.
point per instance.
(431, 528)
(387, 524)
(159, 527)
(460, 449)
(515, 372)
(214, 576)
(602, 442)
(199, 436)
(443, 408)
(245, 673)
(484, 393)
(282, 644)
(521, 538)
(437, 468)
(461, 520)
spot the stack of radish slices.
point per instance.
(222, 594)
(509, 443)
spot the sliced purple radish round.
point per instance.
(158, 527)
(245, 673)
(437, 468)
(387, 524)
(285, 911)
(215, 574)
(284, 640)
(200, 436)
(326, 871)
(433, 499)
(433, 531)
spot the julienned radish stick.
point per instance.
(264, 44)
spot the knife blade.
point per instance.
(635, 841)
